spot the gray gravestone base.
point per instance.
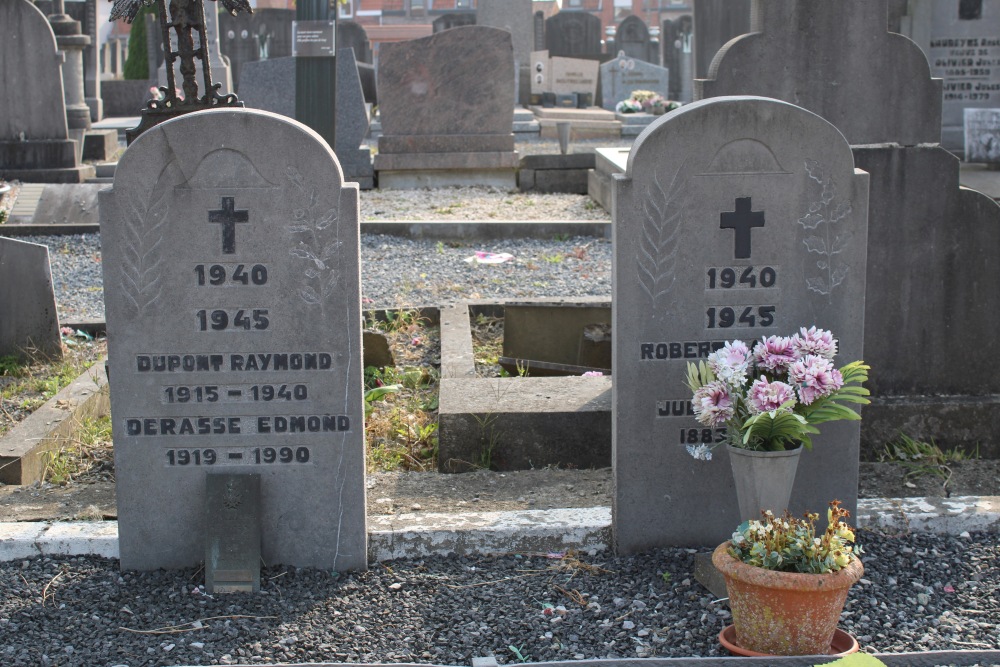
(28, 319)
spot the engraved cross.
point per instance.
(742, 220)
(228, 217)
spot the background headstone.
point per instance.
(690, 169)
(232, 292)
(622, 75)
(28, 319)
(454, 20)
(715, 23)
(982, 135)
(918, 216)
(269, 85)
(34, 136)
(849, 36)
(439, 113)
(633, 38)
(263, 35)
(573, 35)
(573, 75)
(677, 41)
(514, 16)
(962, 43)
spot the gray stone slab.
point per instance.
(430, 161)
(632, 38)
(445, 143)
(232, 533)
(790, 38)
(435, 85)
(231, 284)
(715, 23)
(702, 161)
(515, 17)
(68, 205)
(619, 77)
(962, 43)
(28, 318)
(982, 136)
(352, 123)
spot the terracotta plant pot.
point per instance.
(784, 613)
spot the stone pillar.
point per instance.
(92, 65)
(72, 43)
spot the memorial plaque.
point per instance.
(982, 135)
(314, 39)
(573, 75)
(232, 545)
(737, 218)
(232, 294)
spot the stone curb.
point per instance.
(585, 529)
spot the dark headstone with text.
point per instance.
(736, 218)
(232, 294)
(573, 35)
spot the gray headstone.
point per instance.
(686, 172)
(633, 38)
(982, 135)
(677, 41)
(622, 75)
(263, 35)
(232, 294)
(352, 123)
(573, 35)
(715, 23)
(962, 43)
(232, 532)
(34, 134)
(32, 75)
(269, 85)
(789, 37)
(28, 319)
(68, 204)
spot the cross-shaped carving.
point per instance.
(228, 216)
(742, 220)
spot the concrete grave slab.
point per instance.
(232, 292)
(29, 322)
(788, 177)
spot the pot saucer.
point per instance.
(842, 644)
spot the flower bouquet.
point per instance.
(771, 397)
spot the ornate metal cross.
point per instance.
(187, 17)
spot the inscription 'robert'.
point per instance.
(687, 350)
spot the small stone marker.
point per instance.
(232, 546)
(736, 218)
(232, 294)
(28, 319)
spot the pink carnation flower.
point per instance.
(815, 378)
(815, 341)
(767, 396)
(712, 404)
(775, 354)
(730, 363)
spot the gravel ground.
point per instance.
(919, 593)
(403, 272)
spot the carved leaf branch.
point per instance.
(143, 235)
(318, 242)
(657, 256)
(824, 234)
